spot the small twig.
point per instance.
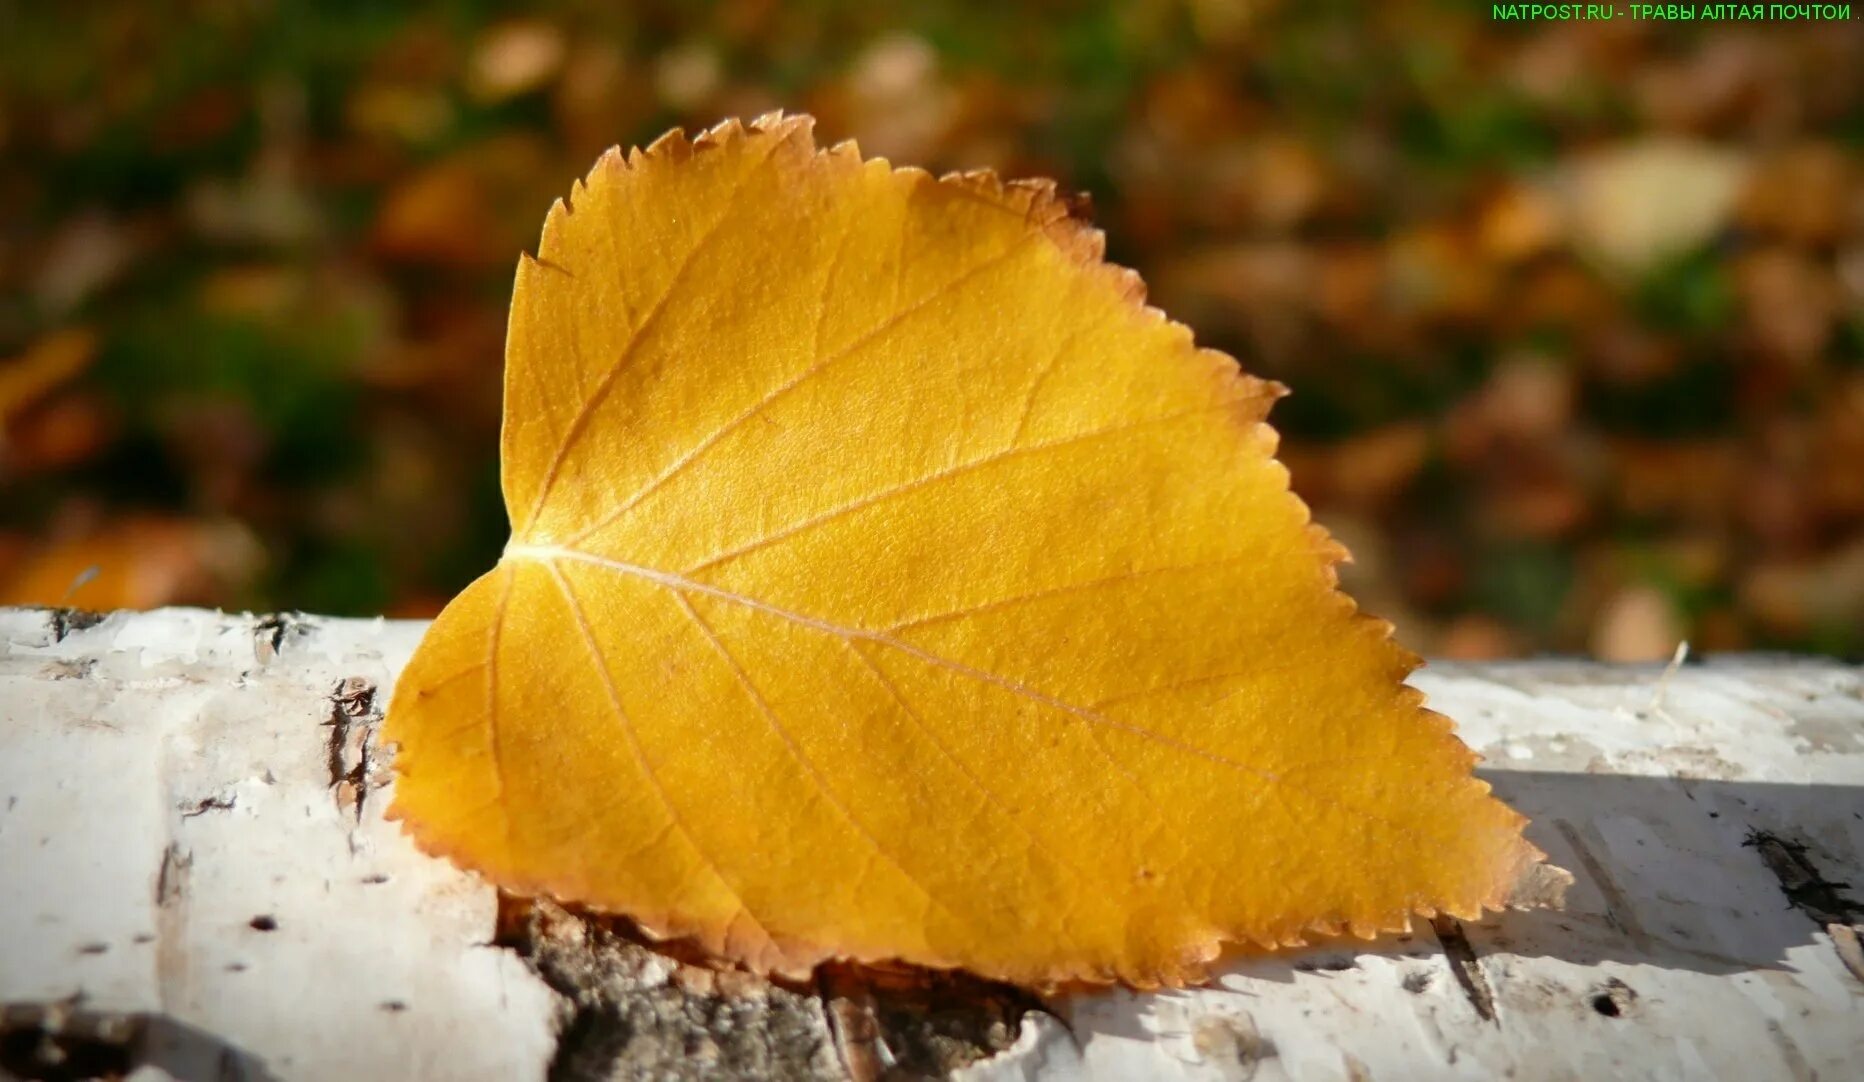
(1663, 680)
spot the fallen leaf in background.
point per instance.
(54, 435)
(1638, 624)
(49, 363)
(514, 58)
(888, 582)
(1811, 593)
(1634, 205)
(460, 211)
(136, 562)
(1804, 193)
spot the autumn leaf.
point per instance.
(50, 362)
(887, 581)
(129, 562)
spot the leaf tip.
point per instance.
(672, 143)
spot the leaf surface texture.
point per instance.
(887, 581)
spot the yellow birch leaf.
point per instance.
(888, 582)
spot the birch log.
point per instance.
(196, 882)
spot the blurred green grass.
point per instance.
(1573, 314)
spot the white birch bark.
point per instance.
(195, 880)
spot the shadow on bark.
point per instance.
(65, 1041)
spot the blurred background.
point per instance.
(1573, 313)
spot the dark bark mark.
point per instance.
(222, 802)
(171, 879)
(638, 1007)
(1233, 1045)
(65, 621)
(1806, 889)
(271, 631)
(1618, 908)
(1462, 958)
(626, 1019)
(77, 669)
(1819, 898)
(903, 1022)
(348, 750)
(1613, 999)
